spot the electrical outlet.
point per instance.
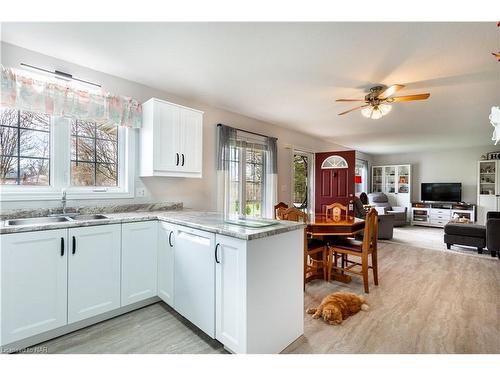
(140, 192)
(351, 207)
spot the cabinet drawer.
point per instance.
(440, 217)
(439, 211)
(439, 222)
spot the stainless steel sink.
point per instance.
(37, 220)
(89, 217)
(53, 219)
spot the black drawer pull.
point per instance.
(176, 158)
(62, 246)
(170, 238)
(216, 252)
(74, 245)
(182, 160)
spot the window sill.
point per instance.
(51, 194)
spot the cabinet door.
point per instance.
(191, 138)
(94, 271)
(33, 283)
(167, 147)
(166, 243)
(194, 277)
(139, 261)
(230, 296)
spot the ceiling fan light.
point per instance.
(384, 108)
(367, 112)
(376, 113)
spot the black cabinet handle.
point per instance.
(216, 252)
(170, 238)
(62, 246)
(176, 158)
(182, 160)
(74, 245)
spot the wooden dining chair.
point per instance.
(335, 210)
(347, 247)
(279, 205)
(315, 250)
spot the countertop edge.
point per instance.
(260, 233)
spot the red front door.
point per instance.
(334, 185)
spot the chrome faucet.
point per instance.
(63, 202)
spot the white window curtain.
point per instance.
(246, 173)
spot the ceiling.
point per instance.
(290, 73)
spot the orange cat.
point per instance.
(336, 307)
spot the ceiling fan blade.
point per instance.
(353, 109)
(409, 98)
(391, 90)
(350, 100)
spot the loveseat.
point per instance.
(381, 203)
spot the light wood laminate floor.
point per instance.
(427, 302)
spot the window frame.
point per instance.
(60, 170)
(241, 149)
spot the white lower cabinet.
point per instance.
(139, 261)
(33, 283)
(230, 296)
(194, 277)
(94, 271)
(166, 243)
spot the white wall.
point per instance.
(195, 193)
(442, 166)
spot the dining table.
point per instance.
(323, 226)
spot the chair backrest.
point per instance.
(371, 230)
(279, 205)
(292, 214)
(335, 210)
(363, 197)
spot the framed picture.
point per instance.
(493, 155)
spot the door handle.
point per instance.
(182, 160)
(62, 246)
(216, 252)
(176, 158)
(74, 245)
(170, 238)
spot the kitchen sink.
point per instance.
(37, 220)
(53, 219)
(89, 217)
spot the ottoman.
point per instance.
(465, 234)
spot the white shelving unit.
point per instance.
(488, 188)
(395, 182)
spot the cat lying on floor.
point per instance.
(336, 307)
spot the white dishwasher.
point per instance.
(194, 277)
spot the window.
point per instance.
(94, 154)
(300, 177)
(334, 162)
(247, 164)
(24, 148)
(361, 176)
(40, 156)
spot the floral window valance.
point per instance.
(31, 94)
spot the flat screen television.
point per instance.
(441, 192)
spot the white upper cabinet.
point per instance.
(33, 283)
(139, 261)
(171, 140)
(94, 271)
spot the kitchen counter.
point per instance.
(207, 221)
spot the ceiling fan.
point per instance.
(378, 101)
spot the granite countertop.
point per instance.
(207, 221)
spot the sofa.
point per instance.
(381, 203)
(478, 236)
(385, 223)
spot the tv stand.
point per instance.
(438, 214)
